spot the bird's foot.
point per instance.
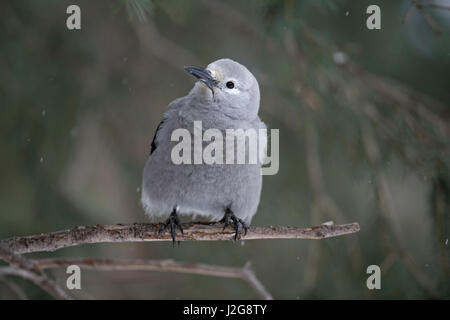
(229, 215)
(174, 222)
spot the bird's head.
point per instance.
(229, 86)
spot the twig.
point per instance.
(322, 202)
(407, 100)
(387, 212)
(155, 44)
(245, 273)
(433, 5)
(27, 269)
(13, 286)
(408, 10)
(427, 17)
(138, 232)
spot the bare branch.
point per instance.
(387, 212)
(27, 269)
(245, 273)
(138, 232)
(408, 10)
(435, 5)
(427, 17)
(20, 294)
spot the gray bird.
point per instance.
(225, 97)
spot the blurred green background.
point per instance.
(364, 137)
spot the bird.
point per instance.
(225, 96)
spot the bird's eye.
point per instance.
(230, 85)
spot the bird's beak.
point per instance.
(202, 74)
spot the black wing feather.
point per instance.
(154, 144)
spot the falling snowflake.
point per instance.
(339, 57)
(74, 132)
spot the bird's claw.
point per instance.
(229, 215)
(174, 222)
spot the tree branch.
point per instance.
(435, 5)
(244, 273)
(427, 17)
(13, 287)
(138, 232)
(387, 212)
(27, 269)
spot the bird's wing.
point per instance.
(170, 113)
(154, 144)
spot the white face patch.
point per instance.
(232, 91)
(217, 75)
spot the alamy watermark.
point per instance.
(374, 280)
(373, 22)
(74, 280)
(241, 147)
(73, 21)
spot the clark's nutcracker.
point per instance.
(225, 97)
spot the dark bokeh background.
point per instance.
(364, 136)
